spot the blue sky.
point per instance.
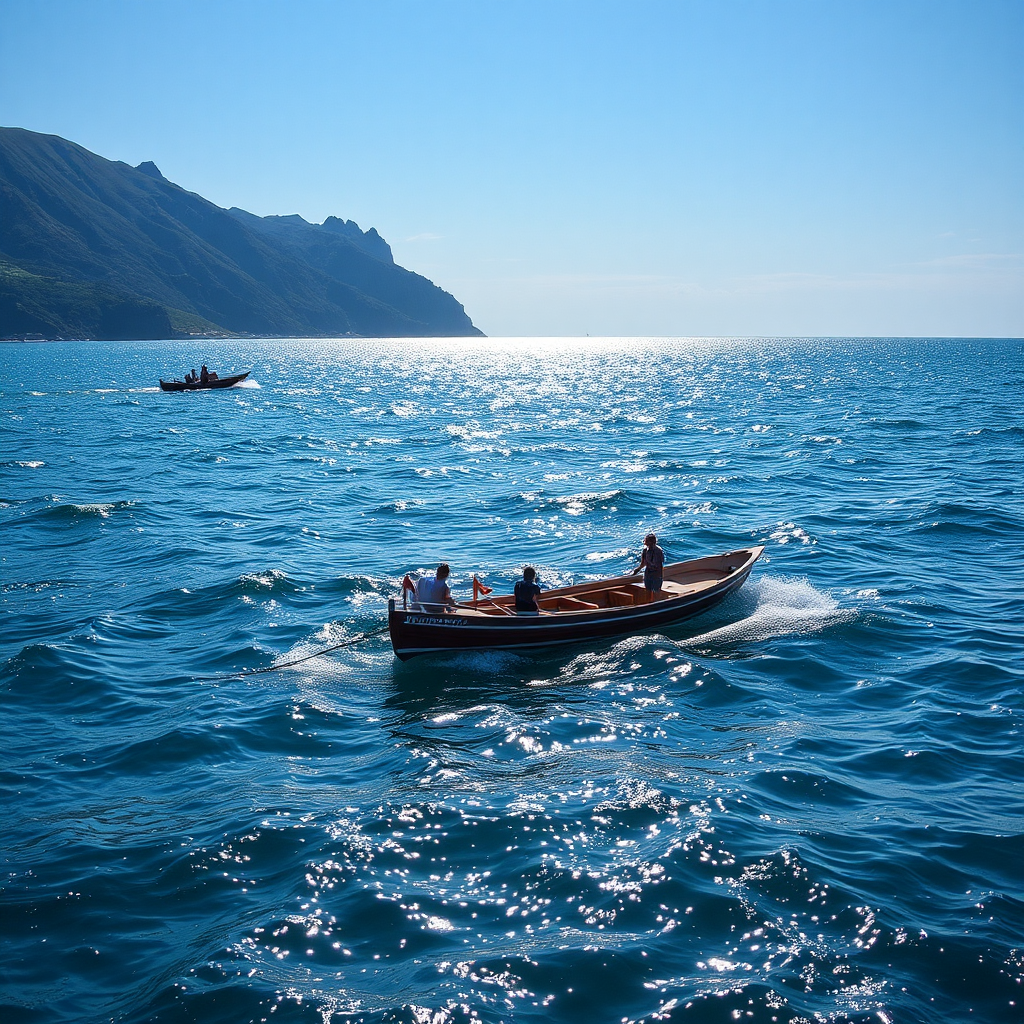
(651, 168)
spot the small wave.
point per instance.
(607, 556)
(782, 607)
(263, 587)
(269, 581)
(904, 424)
(574, 504)
(589, 496)
(60, 676)
(470, 430)
(952, 518)
(989, 432)
(786, 532)
(85, 510)
(399, 505)
(165, 751)
(628, 466)
(638, 795)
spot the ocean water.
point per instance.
(806, 805)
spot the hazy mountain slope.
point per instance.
(70, 215)
(334, 249)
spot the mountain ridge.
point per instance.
(126, 237)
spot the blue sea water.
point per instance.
(806, 805)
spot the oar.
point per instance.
(475, 605)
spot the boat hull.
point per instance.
(707, 582)
(210, 385)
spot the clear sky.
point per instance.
(794, 167)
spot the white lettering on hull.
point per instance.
(434, 620)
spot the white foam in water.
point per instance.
(783, 607)
(328, 635)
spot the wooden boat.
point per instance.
(602, 608)
(216, 382)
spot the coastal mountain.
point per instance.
(94, 248)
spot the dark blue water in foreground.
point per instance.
(807, 805)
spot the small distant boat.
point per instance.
(198, 385)
(586, 611)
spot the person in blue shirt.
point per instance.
(526, 592)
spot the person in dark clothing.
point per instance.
(526, 591)
(204, 375)
(652, 561)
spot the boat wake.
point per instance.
(774, 607)
(312, 655)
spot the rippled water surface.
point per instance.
(806, 805)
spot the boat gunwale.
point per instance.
(610, 583)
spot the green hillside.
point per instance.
(95, 248)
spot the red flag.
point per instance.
(407, 585)
(479, 588)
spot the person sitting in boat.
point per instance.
(652, 561)
(433, 595)
(190, 378)
(526, 592)
(204, 375)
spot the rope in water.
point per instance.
(351, 642)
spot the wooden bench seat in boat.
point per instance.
(635, 594)
(567, 604)
(673, 589)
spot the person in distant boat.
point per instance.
(652, 561)
(526, 592)
(434, 595)
(204, 375)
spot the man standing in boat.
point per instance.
(652, 561)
